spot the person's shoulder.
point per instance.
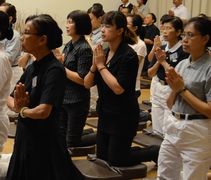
(16, 33)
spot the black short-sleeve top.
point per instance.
(45, 82)
(172, 58)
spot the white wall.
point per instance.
(60, 8)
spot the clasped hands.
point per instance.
(21, 98)
(174, 80)
(99, 59)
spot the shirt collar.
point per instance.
(174, 48)
(178, 6)
(125, 5)
(199, 62)
(78, 42)
(96, 30)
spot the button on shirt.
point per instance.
(78, 58)
(197, 77)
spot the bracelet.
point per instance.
(104, 67)
(93, 72)
(21, 112)
(183, 90)
(167, 68)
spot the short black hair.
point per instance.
(82, 21)
(153, 17)
(5, 28)
(96, 9)
(145, 1)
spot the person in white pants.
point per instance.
(172, 28)
(6, 75)
(187, 142)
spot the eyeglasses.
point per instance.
(188, 35)
(28, 33)
(163, 28)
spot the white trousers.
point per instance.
(152, 85)
(187, 145)
(160, 111)
(4, 163)
(4, 128)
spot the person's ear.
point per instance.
(135, 28)
(99, 19)
(120, 31)
(10, 18)
(179, 32)
(206, 39)
(43, 40)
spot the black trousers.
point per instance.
(117, 150)
(72, 121)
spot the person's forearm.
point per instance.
(89, 78)
(171, 99)
(153, 70)
(73, 76)
(111, 81)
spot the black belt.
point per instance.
(14, 65)
(189, 117)
(162, 82)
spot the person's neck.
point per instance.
(125, 3)
(141, 4)
(197, 54)
(76, 38)
(113, 45)
(178, 5)
(41, 53)
(172, 43)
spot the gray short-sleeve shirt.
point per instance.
(197, 77)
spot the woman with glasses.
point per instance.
(187, 140)
(39, 151)
(172, 29)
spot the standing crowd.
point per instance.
(52, 92)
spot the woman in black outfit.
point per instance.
(115, 73)
(39, 152)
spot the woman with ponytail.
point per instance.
(114, 72)
(134, 23)
(39, 151)
(6, 75)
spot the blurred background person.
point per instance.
(6, 75)
(13, 50)
(141, 9)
